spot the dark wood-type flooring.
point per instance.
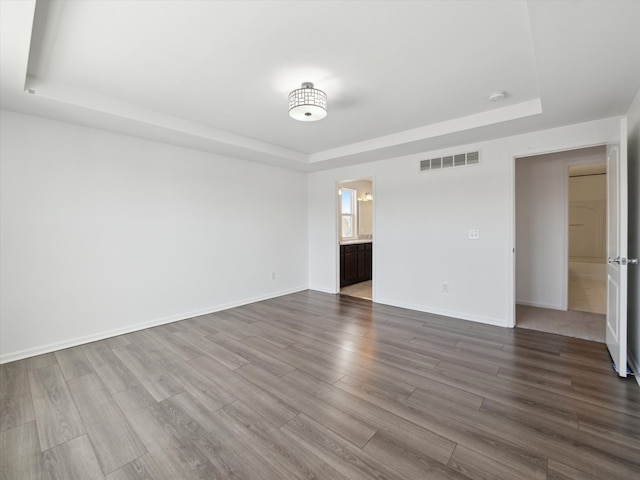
(317, 386)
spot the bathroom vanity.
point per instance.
(355, 261)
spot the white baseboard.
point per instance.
(634, 364)
(323, 289)
(540, 305)
(72, 342)
(498, 322)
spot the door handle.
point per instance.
(622, 261)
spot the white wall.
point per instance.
(542, 225)
(103, 233)
(633, 126)
(422, 221)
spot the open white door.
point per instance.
(617, 261)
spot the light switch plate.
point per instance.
(474, 234)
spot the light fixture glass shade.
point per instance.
(308, 104)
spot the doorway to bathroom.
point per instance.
(355, 238)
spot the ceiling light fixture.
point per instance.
(307, 104)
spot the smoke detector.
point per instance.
(497, 96)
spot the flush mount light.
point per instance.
(308, 104)
(497, 96)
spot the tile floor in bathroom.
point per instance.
(360, 290)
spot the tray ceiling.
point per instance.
(401, 77)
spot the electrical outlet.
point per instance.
(273, 275)
(474, 234)
(445, 287)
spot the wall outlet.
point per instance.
(273, 275)
(474, 234)
(445, 287)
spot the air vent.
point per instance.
(473, 158)
(450, 161)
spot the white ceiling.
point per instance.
(401, 77)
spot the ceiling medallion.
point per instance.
(307, 104)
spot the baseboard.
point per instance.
(322, 289)
(498, 322)
(540, 305)
(73, 342)
(635, 365)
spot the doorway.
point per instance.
(587, 287)
(560, 243)
(355, 238)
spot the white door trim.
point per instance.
(511, 305)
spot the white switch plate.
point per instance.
(474, 234)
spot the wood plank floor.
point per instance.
(317, 386)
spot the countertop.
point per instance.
(354, 242)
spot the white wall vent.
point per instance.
(449, 161)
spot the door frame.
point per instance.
(511, 300)
(337, 228)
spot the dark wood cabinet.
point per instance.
(350, 264)
(355, 263)
(361, 254)
(368, 261)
